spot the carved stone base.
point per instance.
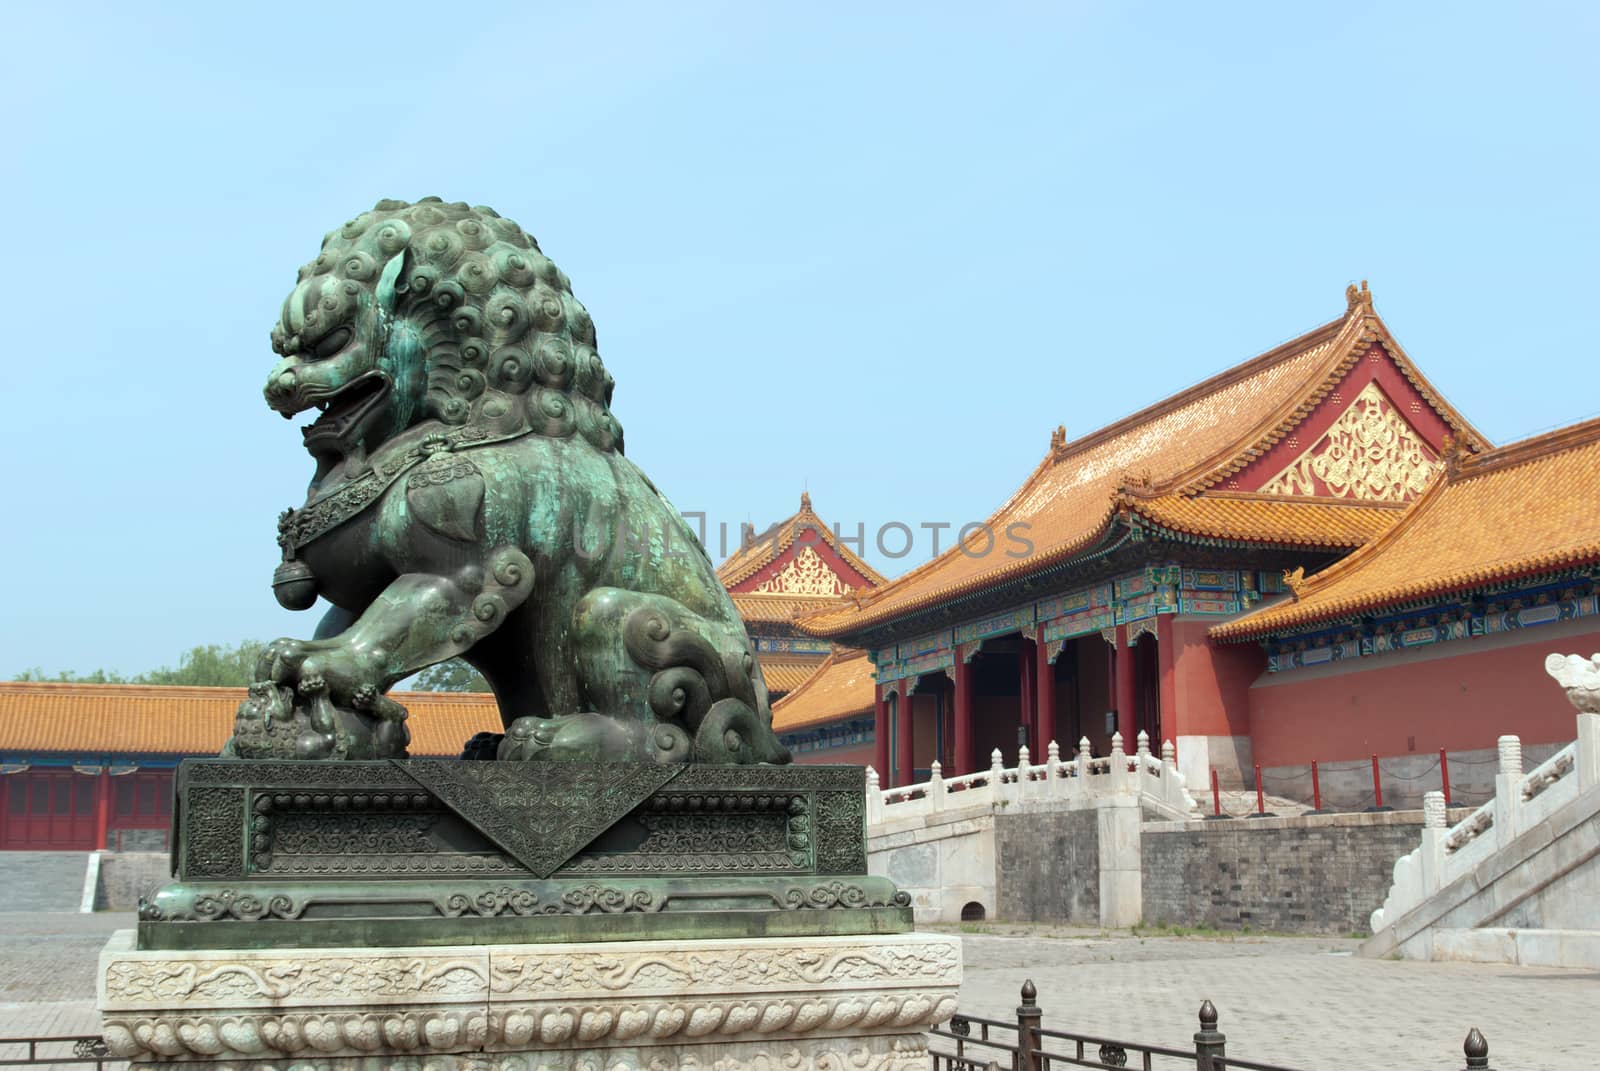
(790, 1003)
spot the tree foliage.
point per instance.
(210, 665)
(222, 665)
(454, 675)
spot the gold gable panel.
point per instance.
(1370, 453)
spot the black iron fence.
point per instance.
(965, 1043)
(49, 1052)
(970, 1043)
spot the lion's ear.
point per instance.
(389, 281)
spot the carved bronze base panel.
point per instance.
(430, 819)
(437, 852)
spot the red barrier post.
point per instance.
(1377, 786)
(1216, 798)
(1444, 775)
(1316, 788)
(1261, 797)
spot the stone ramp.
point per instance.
(1531, 901)
(1518, 879)
(43, 881)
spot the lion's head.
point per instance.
(434, 311)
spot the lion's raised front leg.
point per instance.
(418, 620)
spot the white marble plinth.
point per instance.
(790, 1003)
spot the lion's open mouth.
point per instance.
(347, 414)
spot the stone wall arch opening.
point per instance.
(972, 911)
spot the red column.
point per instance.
(904, 755)
(964, 764)
(1027, 709)
(1167, 662)
(102, 807)
(880, 735)
(1045, 689)
(1126, 711)
(5, 808)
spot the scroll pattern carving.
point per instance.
(806, 574)
(1369, 453)
(653, 995)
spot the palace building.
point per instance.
(1434, 635)
(796, 567)
(1088, 602)
(1311, 556)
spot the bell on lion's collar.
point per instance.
(295, 585)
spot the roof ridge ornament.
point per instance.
(1450, 451)
(1295, 580)
(1058, 438)
(1354, 297)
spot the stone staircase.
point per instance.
(1517, 880)
(942, 841)
(42, 881)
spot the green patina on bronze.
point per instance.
(436, 852)
(471, 498)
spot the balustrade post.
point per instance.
(1119, 764)
(1052, 770)
(1024, 768)
(1085, 753)
(1476, 1050)
(1508, 791)
(1588, 751)
(997, 777)
(1209, 1044)
(874, 798)
(1434, 832)
(1172, 789)
(935, 786)
(1029, 1016)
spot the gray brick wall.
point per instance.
(125, 876)
(1047, 867)
(1318, 874)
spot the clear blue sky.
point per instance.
(880, 256)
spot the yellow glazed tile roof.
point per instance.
(1143, 463)
(155, 720)
(841, 687)
(1268, 519)
(1528, 508)
(778, 608)
(763, 549)
(787, 674)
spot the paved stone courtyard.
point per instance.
(1305, 1002)
(1301, 1001)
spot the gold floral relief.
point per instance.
(1370, 453)
(806, 574)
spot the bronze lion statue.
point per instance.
(471, 499)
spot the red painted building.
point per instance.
(797, 566)
(1090, 600)
(1433, 637)
(86, 766)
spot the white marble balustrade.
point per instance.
(1154, 779)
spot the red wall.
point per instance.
(1385, 707)
(1211, 683)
